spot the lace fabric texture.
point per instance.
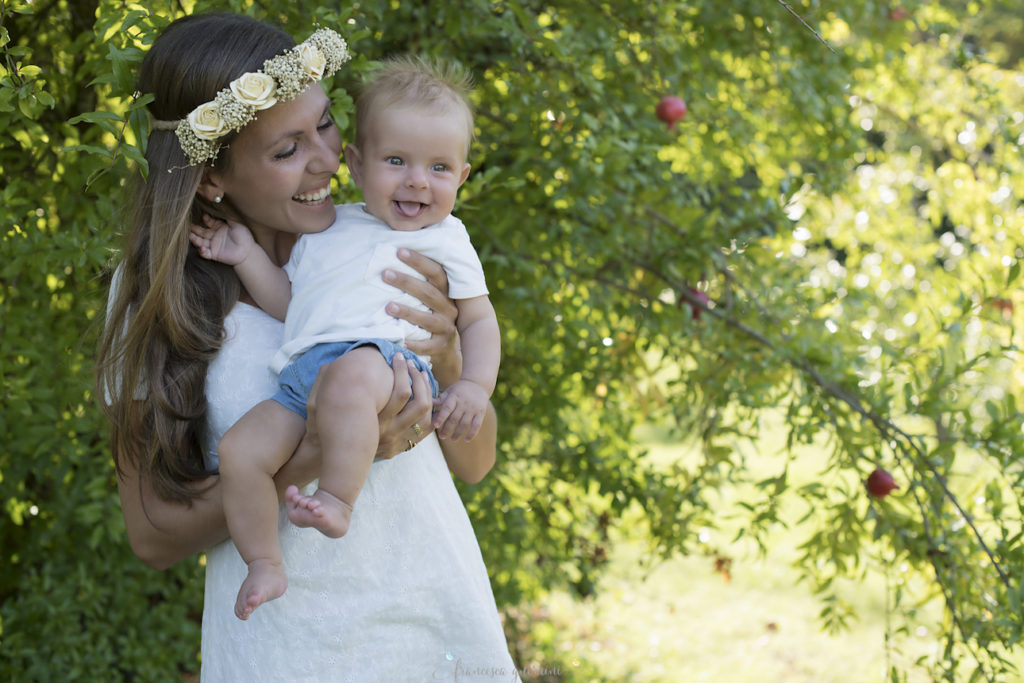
(404, 596)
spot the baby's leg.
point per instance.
(352, 391)
(250, 454)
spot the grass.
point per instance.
(688, 619)
(682, 621)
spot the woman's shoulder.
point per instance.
(246, 325)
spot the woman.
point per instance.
(404, 595)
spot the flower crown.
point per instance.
(282, 79)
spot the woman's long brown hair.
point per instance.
(166, 314)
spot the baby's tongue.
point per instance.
(408, 208)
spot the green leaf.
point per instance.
(96, 117)
(1013, 273)
(91, 149)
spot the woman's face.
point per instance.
(281, 164)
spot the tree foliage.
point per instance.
(845, 190)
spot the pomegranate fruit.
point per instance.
(880, 483)
(670, 109)
(700, 296)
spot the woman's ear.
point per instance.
(354, 161)
(210, 187)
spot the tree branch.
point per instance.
(817, 35)
(886, 427)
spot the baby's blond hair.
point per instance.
(434, 84)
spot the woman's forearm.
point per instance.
(162, 533)
(470, 461)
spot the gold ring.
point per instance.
(416, 428)
(411, 444)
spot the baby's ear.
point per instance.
(465, 174)
(354, 161)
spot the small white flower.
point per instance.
(255, 89)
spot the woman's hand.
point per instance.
(439, 321)
(471, 460)
(405, 419)
(403, 422)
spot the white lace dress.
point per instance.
(404, 596)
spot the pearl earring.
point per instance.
(216, 200)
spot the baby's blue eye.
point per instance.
(439, 168)
(394, 161)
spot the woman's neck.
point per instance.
(277, 244)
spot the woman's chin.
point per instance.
(314, 217)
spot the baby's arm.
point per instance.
(233, 244)
(465, 402)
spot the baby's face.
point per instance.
(411, 166)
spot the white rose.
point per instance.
(206, 122)
(313, 61)
(255, 89)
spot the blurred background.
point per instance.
(744, 254)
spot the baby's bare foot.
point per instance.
(265, 582)
(326, 513)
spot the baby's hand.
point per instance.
(221, 241)
(459, 411)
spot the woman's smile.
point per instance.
(281, 167)
(314, 197)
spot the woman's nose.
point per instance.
(325, 159)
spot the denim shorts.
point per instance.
(296, 380)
